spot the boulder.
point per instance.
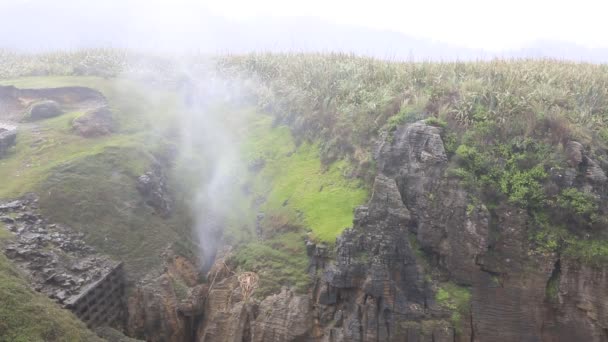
(41, 110)
(8, 138)
(152, 186)
(94, 123)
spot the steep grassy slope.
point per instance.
(297, 185)
(90, 184)
(298, 195)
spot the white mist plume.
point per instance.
(206, 131)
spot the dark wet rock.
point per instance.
(94, 123)
(44, 109)
(152, 185)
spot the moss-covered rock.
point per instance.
(40, 110)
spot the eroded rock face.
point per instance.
(375, 290)
(419, 229)
(153, 314)
(166, 306)
(283, 317)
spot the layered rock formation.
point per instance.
(419, 234)
(381, 289)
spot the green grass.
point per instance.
(280, 261)
(97, 195)
(300, 194)
(297, 185)
(27, 316)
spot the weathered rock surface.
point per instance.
(8, 138)
(378, 288)
(152, 185)
(94, 123)
(419, 230)
(166, 306)
(153, 314)
(283, 317)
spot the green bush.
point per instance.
(433, 121)
(578, 202)
(456, 299)
(524, 187)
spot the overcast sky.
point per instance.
(488, 24)
(474, 24)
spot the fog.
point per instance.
(206, 132)
(404, 31)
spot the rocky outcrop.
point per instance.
(152, 185)
(421, 229)
(8, 138)
(94, 123)
(377, 290)
(283, 317)
(165, 306)
(229, 316)
(153, 314)
(56, 259)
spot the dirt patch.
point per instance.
(14, 102)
